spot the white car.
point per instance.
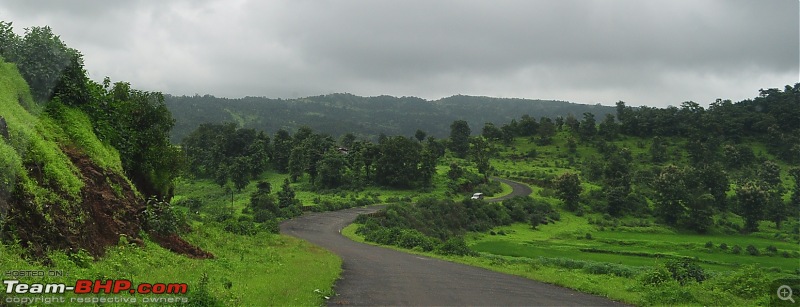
(477, 196)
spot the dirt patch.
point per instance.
(108, 209)
(176, 244)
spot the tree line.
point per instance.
(225, 153)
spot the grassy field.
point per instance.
(550, 256)
(247, 270)
(634, 246)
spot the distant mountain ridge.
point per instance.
(366, 117)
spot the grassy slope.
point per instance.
(247, 271)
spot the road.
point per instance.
(373, 275)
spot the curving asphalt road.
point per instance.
(373, 275)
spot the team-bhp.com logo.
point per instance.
(85, 286)
(21, 292)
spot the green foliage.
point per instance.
(455, 246)
(161, 218)
(746, 282)
(685, 270)
(751, 197)
(459, 138)
(656, 276)
(568, 187)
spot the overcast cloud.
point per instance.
(655, 53)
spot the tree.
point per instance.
(41, 59)
(794, 200)
(588, 127)
(455, 172)
(398, 161)
(546, 131)
(700, 214)
(240, 172)
(262, 201)
(9, 41)
(459, 138)
(427, 167)
(712, 179)
(347, 140)
(491, 132)
(297, 162)
(617, 176)
(751, 197)
(288, 204)
(568, 188)
(527, 126)
(420, 135)
(282, 148)
(770, 176)
(481, 151)
(608, 128)
(331, 169)
(671, 194)
(658, 151)
(572, 123)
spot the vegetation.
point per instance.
(364, 117)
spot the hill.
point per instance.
(366, 117)
(58, 180)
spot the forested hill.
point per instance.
(366, 117)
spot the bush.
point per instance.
(685, 270)
(752, 250)
(240, 227)
(736, 249)
(709, 244)
(655, 276)
(455, 246)
(747, 282)
(723, 246)
(161, 218)
(772, 250)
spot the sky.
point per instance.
(654, 53)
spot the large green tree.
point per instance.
(751, 198)
(459, 138)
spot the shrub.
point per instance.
(736, 249)
(655, 276)
(455, 246)
(588, 236)
(772, 250)
(747, 282)
(240, 227)
(723, 246)
(161, 218)
(709, 244)
(752, 250)
(685, 270)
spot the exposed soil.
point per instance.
(108, 209)
(177, 245)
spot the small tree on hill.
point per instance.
(568, 188)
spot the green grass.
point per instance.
(34, 142)
(264, 269)
(567, 237)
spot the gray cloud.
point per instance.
(642, 52)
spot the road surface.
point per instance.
(373, 275)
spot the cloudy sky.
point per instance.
(655, 53)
